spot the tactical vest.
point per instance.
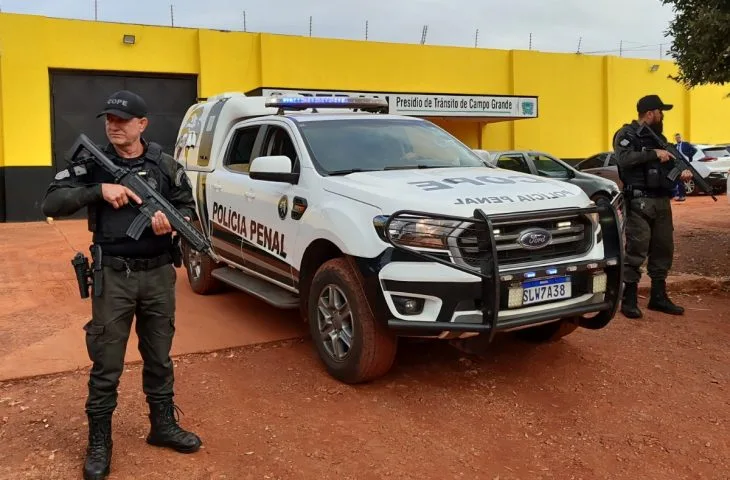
(109, 224)
(648, 176)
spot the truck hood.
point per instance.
(456, 191)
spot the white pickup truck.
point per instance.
(377, 226)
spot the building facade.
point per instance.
(56, 73)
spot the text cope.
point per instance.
(449, 183)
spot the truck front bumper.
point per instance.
(431, 296)
(456, 303)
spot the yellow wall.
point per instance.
(582, 99)
(231, 62)
(313, 63)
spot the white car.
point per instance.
(377, 226)
(713, 163)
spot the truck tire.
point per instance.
(549, 332)
(199, 267)
(352, 344)
(601, 198)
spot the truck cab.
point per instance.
(376, 226)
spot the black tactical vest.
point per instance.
(110, 225)
(649, 176)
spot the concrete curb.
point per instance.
(688, 284)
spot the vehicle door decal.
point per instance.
(264, 246)
(206, 134)
(202, 200)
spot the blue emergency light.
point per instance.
(303, 103)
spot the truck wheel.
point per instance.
(199, 267)
(352, 344)
(549, 332)
(601, 198)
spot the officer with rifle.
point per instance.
(648, 167)
(132, 274)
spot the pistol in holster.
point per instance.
(88, 275)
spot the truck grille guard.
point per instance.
(428, 227)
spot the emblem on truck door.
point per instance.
(283, 207)
(534, 238)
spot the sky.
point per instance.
(600, 26)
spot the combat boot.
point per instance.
(165, 431)
(629, 302)
(99, 451)
(660, 302)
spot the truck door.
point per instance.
(228, 193)
(273, 226)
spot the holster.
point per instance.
(82, 271)
(97, 272)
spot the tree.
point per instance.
(701, 46)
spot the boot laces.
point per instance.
(169, 418)
(98, 440)
(171, 414)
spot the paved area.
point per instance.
(42, 314)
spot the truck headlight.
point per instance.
(419, 232)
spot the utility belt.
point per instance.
(122, 264)
(638, 192)
(90, 275)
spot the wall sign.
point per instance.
(436, 105)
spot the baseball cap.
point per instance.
(652, 102)
(125, 104)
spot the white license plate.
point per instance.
(546, 290)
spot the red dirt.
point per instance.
(701, 236)
(640, 399)
(41, 312)
(645, 399)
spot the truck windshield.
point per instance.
(341, 146)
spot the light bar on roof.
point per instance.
(326, 102)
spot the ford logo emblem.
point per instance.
(534, 238)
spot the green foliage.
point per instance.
(701, 47)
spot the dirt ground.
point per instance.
(640, 399)
(702, 236)
(644, 399)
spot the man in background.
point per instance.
(689, 151)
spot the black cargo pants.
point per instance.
(148, 295)
(649, 235)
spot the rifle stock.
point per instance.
(152, 201)
(681, 163)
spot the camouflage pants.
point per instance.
(649, 236)
(150, 297)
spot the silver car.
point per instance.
(545, 165)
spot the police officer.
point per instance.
(643, 167)
(138, 277)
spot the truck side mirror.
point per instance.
(276, 168)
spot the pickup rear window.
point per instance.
(377, 144)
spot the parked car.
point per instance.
(713, 163)
(710, 161)
(602, 164)
(546, 165)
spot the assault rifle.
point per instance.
(152, 201)
(681, 163)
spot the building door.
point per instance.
(78, 96)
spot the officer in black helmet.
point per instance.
(643, 167)
(138, 277)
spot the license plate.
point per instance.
(546, 290)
